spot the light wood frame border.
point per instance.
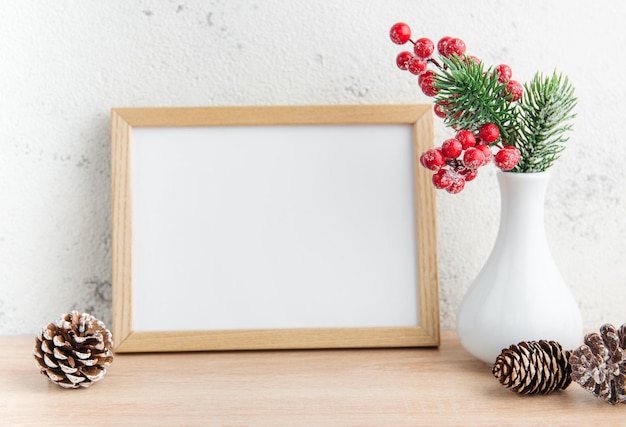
(123, 120)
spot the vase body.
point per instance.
(519, 294)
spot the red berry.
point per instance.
(514, 90)
(400, 33)
(489, 133)
(417, 65)
(402, 60)
(439, 111)
(469, 174)
(457, 185)
(442, 179)
(467, 138)
(504, 73)
(427, 86)
(507, 158)
(455, 47)
(441, 45)
(451, 148)
(432, 159)
(471, 58)
(425, 75)
(425, 81)
(424, 47)
(486, 151)
(473, 158)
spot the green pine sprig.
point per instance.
(537, 124)
(545, 117)
(473, 96)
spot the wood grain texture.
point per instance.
(426, 227)
(121, 226)
(374, 387)
(128, 340)
(273, 339)
(271, 115)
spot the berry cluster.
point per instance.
(457, 160)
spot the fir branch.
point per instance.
(472, 96)
(545, 118)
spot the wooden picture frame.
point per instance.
(170, 128)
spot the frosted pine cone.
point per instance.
(599, 365)
(73, 351)
(533, 367)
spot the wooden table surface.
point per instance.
(382, 387)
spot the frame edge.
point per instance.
(426, 232)
(121, 246)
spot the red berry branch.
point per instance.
(482, 106)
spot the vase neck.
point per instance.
(522, 201)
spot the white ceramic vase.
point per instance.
(519, 294)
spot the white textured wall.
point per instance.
(64, 64)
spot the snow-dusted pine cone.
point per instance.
(599, 365)
(533, 367)
(73, 351)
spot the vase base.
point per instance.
(487, 346)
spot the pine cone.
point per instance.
(73, 351)
(533, 367)
(599, 365)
